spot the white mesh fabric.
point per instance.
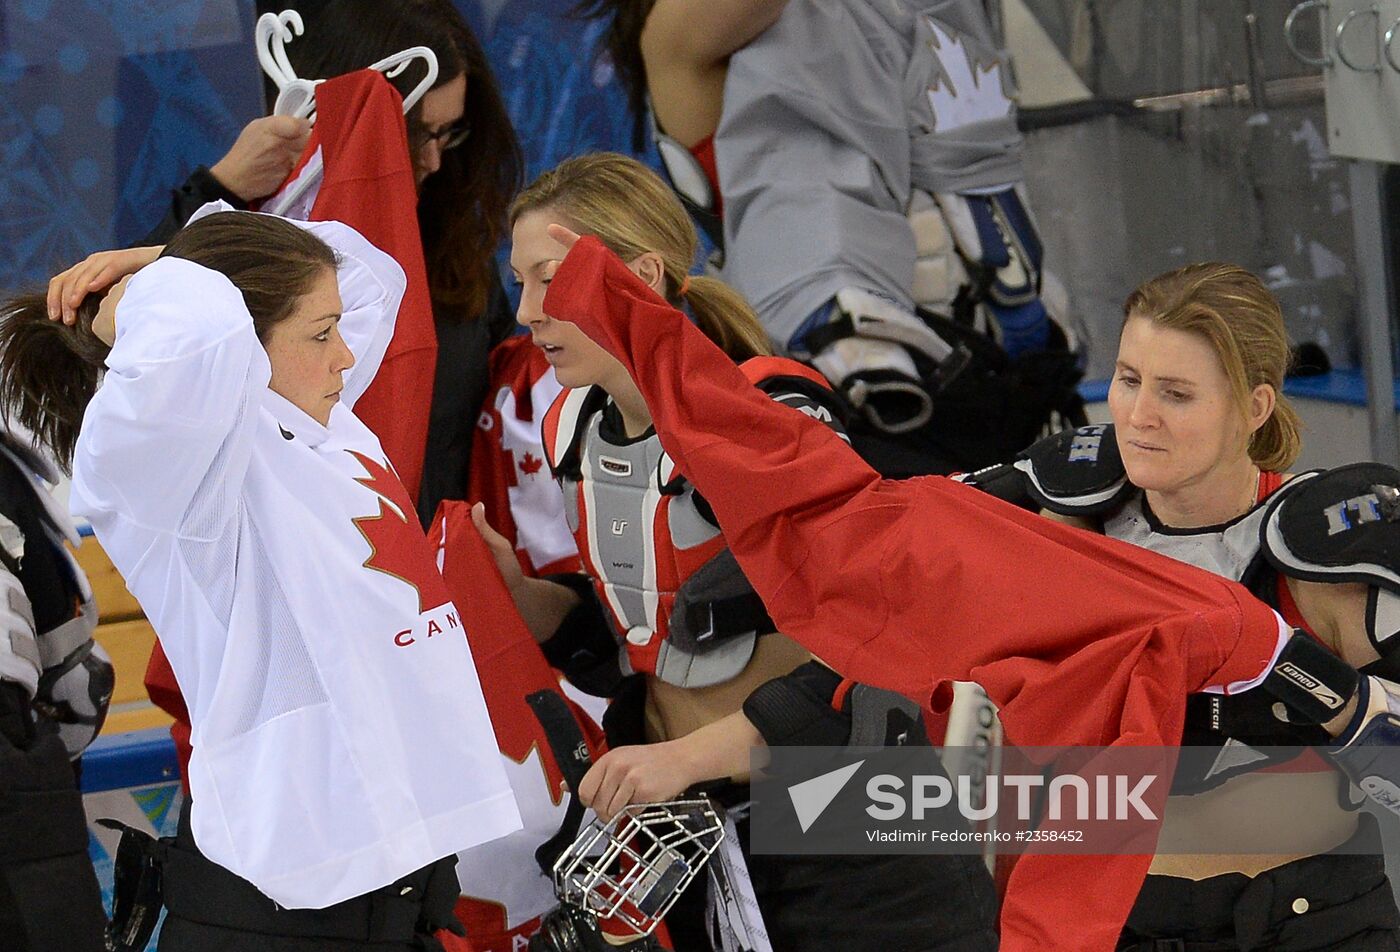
(276, 674)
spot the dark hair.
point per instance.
(462, 206)
(623, 42)
(49, 370)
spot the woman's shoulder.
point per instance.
(1079, 522)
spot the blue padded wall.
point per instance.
(105, 105)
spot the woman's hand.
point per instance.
(263, 156)
(104, 322)
(94, 273)
(644, 773)
(501, 550)
(563, 235)
(543, 605)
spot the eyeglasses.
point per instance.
(448, 137)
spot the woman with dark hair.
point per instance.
(341, 750)
(467, 163)
(465, 154)
(685, 89)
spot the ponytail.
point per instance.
(632, 211)
(48, 371)
(1275, 445)
(726, 319)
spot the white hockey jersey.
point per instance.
(339, 731)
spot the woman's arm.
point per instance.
(542, 604)
(706, 32)
(185, 375)
(903, 584)
(1336, 613)
(647, 773)
(686, 45)
(263, 155)
(1079, 522)
(97, 271)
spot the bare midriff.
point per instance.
(1252, 808)
(673, 712)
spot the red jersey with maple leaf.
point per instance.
(504, 890)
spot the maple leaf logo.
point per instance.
(397, 546)
(964, 91)
(530, 464)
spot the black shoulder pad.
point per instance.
(1342, 525)
(810, 397)
(1077, 472)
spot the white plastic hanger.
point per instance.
(391, 66)
(297, 97)
(271, 35)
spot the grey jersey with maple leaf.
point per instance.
(832, 118)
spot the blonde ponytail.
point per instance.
(631, 211)
(726, 318)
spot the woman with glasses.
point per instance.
(467, 164)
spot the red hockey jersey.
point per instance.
(906, 585)
(503, 890)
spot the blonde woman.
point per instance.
(1195, 467)
(664, 621)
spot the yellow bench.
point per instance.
(127, 637)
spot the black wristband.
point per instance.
(204, 186)
(1312, 682)
(795, 710)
